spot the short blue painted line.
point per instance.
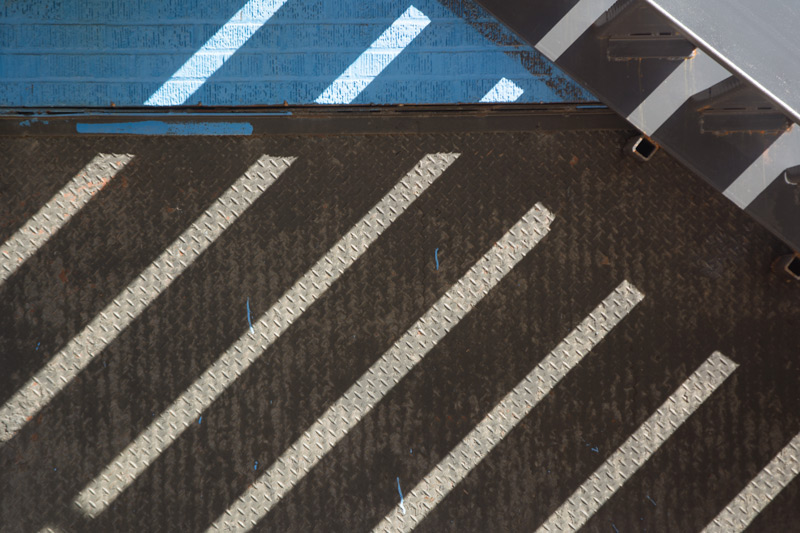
(505, 91)
(249, 322)
(37, 346)
(436, 256)
(402, 505)
(596, 449)
(374, 59)
(157, 127)
(615, 527)
(255, 466)
(206, 61)
(651, 501)
(200, 420)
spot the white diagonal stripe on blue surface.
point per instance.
(63, 367)
(511, 410)
(639, 447)
(170, 424)
(58, 211)
(374, 59)
(504, 90)
(214, 53)
(343, 415)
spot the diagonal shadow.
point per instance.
(57, 292)
(31, 176)
(615, 220)
(303, 63)
(273, 243)
(319, 358)
(129, 35)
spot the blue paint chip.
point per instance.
(200, 420)
(596, 449)
(402, 503)
(158, 127)
(255, 466)
(37, 346)
(436, 256)
(249, 322)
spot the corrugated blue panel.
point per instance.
(266, 52)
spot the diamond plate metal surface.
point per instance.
(703, 265)
(64, 366)
(183, 412)
(761, 490)
(57, 212)
(637, 449)
(511, 410)
(385, 373)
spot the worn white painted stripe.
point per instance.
(58, 211)
(137, 296)
(695, 74)
(183, 412)
(571, 26)
(385, 373)
(374, 59)
(514, 407)
(504, 90)
(782, 154)
(217, 50)
(639, 447)
(761, 490)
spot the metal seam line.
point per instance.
(511, 410)
(695, 74)
(183, 412)
(212, 55)
(571, 27)
(504, 90)
(58, 211)
(782, 154)
(385, 373)
(761, 490)
(639, 447)
(518, 403)
(374, 59)
(138, 295)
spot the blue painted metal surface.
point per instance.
(86, 53)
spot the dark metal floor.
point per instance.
(702, 265)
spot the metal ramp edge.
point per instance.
(674, 79)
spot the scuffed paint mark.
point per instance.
(157, 127)
(249, 321)
(29, 122)
(402, 504)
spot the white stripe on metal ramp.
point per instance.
(782, 154)
(761, 490)
(695, 74)
(137, 296)
(205, 62)
(385, 373)
(58, 211)
(514, 407)
(639, 447)
(571, 26)
(377, 57)
(183, 412)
